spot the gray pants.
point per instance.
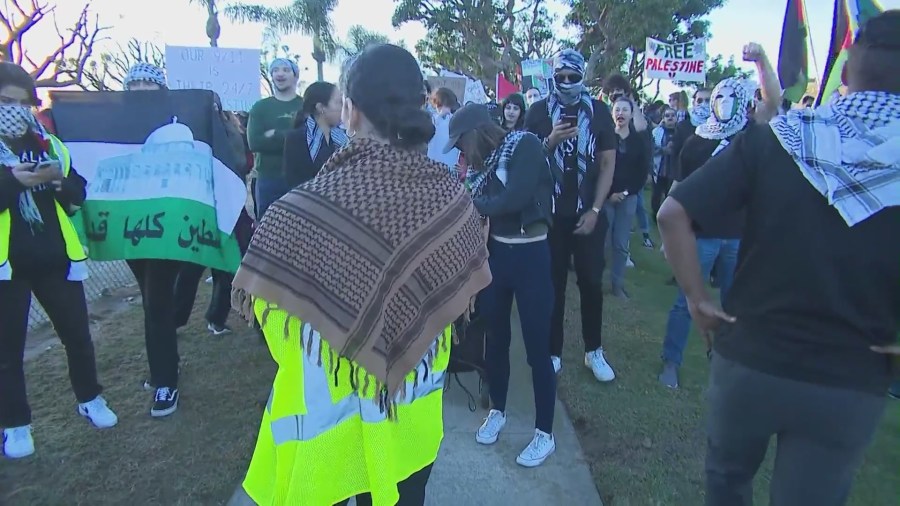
(822, 434)
(620, 217)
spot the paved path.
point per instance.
(468, 474)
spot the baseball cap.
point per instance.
(467, 118)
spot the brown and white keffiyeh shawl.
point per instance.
(379, 253)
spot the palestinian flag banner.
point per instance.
(793, 63)
(159, 171)
(848, 16)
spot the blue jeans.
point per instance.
(641, 213)
(521, 272)
(679, 325)
(268, 190)
(620, 216)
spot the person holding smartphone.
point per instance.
(40, 253)
(580, 143)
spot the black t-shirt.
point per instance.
(37, 247)
(538, 122)
(632, 163)
(696, 152)
(810, 294)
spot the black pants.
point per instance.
(521, 272)
(65, 305)
(157, 280)
(587, 251)
(822, 434)
(660, 191)
(186, 286)
(412, 490)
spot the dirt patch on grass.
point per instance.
(195, 457)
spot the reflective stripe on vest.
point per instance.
(78, 270)
(323, 415)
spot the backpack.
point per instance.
(467, 355)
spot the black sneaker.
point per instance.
(165, 402)
(218, 330)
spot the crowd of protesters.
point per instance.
(383, 210)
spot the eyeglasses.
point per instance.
(567, 78)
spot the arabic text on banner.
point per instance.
(684, 61)
(159, 178)
(232, 73)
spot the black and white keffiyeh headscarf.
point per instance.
(568, 94)
(495, 164)
(730, 103)
(15, 122)
(146, 72)
(315, 137)
(849, 150)
(699, 114)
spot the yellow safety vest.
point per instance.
(320, 442)
(78, 270)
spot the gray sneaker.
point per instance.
(669, 375)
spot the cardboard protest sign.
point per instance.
(232, 73)
(684, 61)
(160, 175)
(456, 84)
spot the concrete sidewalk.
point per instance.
(469, 474)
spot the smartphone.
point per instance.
(47, 164)
(570, 119)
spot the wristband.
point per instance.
(596, 210)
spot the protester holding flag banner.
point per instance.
(39, 252)
(162, 193)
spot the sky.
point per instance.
(178, 22)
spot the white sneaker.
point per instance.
(542, 446)
(98, 413)
(490, 430)
(17, 442)
(596, 360)
(557, 364)
(629, 263)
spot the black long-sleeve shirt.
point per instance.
(37, 247)
(633, 156)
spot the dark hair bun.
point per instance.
(386, 84)
(408, 126)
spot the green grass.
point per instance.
(644, 442)
(195, 457)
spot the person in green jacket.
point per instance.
(269, 119)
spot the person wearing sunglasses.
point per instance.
(698, 114)
(580, 141)
(663, 157)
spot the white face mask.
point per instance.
(725, 104)
(15, 120)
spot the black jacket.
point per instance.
(527, 196)
(38, 250)
(298, 165)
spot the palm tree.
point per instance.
(309, 17)
(213, 29)
(359, 38)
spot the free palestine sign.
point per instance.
(684, 61)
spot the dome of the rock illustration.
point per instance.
(171, 134)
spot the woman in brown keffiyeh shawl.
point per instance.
(379, 253)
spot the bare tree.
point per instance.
(107, 73)
(65, 65)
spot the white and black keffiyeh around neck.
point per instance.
(730, 103)
(315, 137)
(848, 150)
(495, 164)
(571, 94)
(16, 122)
